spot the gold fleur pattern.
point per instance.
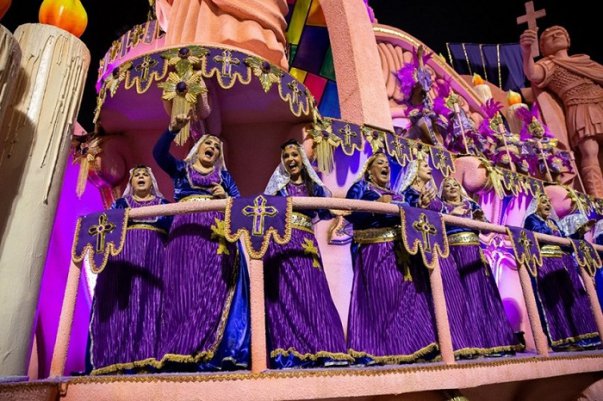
(217, 233)
(310, 249)
(265, 72)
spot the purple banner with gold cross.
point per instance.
(526, 248)
(99, 235)
(586, 256)
(424, 230)
(255, 220)
(442, 159)
(349, 134)
(399, 148)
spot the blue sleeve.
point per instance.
(165, 221)
(161, 153)
(599, 240)
(229, 185)
(323, 214)
(533, 223)
(120, 204)
(367, 219)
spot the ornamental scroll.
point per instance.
(99, 235)
(256, 220)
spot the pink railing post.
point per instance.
(594, 300)
(61, 345)
(441, 313)
(258, 316)
(540, 339)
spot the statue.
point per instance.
(577, 81)
(257, 26)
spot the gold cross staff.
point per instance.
(259, 211)
(100, 231)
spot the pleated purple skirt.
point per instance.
(391, 317)
(567, 314)
(124, 328)
(200, 277)
(484, 324)
(303, 326)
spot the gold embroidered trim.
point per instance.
(196, 198)
(530, 262)
(414, 247)
(590, 261)
(243, 234)
(142, 226)
(301, 222)
(551, 251)
(396, 359)
(569, 340)
(377, 235)
(110, 248)
(334, 372)
(463, 238)
(486, 351)
(340, 356)
(196, 358)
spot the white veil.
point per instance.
(154, 187)
(464, 194)
(573, 222)
(192, 155)
(533, 206)
(280, 178)
(409, 173)
(598, 229)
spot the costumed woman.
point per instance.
(565, 311)
(391, 318)
(487, 329)
(304, 327)
(205, 317)
(124, 326)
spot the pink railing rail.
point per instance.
(256, 276)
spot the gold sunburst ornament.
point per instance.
(266, 72)
(324, 142)
(183, 91)
(185, 58)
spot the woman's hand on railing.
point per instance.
(385, 199)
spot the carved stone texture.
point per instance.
(10, 57)
(38, 126)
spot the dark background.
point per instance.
(434, 23)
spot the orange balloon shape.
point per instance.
(69, 15)
(4, 6)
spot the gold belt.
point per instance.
(551, 251)
(142, 226)
(377, 235)
(301, 222)
(196, 198)
(463, 238)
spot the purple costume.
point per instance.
(391, 318)
(124, 326)
(565, 309)
(202, 276)
(304, 328)
(476, 314)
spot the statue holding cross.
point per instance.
(577, 81)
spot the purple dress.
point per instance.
(201, 275)
(303, 326)
(475, 311)
(391, 318)
(124, 326)
(565, 309)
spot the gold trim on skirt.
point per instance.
(463, 238)
(377, 235)
(551, 251)
(196, 198)
(301, 222)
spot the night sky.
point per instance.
(433, 22)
